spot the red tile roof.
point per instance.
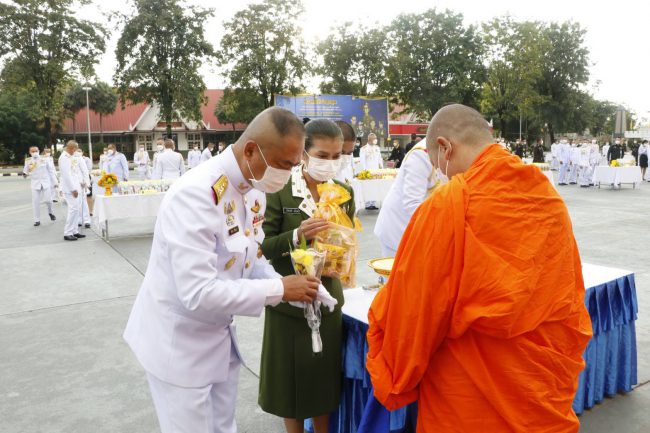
(122, 120)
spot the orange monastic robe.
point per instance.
(483, 319)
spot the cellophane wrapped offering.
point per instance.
(339, 241)
(310, 262)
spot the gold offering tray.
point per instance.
(382, 266)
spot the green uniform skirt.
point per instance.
(293, 382)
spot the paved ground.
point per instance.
(63, 306)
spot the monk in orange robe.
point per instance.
(483, 319)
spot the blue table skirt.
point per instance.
(611, 363)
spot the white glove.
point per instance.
(323, 296)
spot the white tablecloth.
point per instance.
(370, 190)
(125, 206)
(617, 175)
(358, 300)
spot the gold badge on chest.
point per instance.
(256, 207)
(230, 263)
(229, 207)
(219, 188)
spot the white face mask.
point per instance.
(273, 180)
(159, 148)
(346, 161)
(78, 154)
(142, 149)
(111, 152)
(322, 170)
(196, 148)
(442, 177)
(34, 154)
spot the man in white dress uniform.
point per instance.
(413, 184)
(206, 266)
(72, 190)
(207, 152)
(370, 159)
(84, 181)
(141, 162)
(43, 180)
(193, 157)
(169, 164)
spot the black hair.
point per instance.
(347, 130)
(321, 128)
(285, 122)
(414, 136)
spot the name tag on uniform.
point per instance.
(290, 210)
(233, 230)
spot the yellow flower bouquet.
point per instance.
(614, 163)
(107, 181)
(339, 241)
(308, 261)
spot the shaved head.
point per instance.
(459, 124)
(274, 138)
(273, 124)
(456, 135)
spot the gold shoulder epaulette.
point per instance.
(219, 188)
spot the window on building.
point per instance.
(145, 140)
(193, 140)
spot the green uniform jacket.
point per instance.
(293, 382)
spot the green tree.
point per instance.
(47, 46)
(262, 49)
(103, 102)
(564, 69)
(18, 129)
(352, 60)
(159, 53)
(433, 60)
(73, 102)
(238, 106)
(514, 61)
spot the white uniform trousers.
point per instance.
(564, 173)
(39, 195)
(210, 409)
(72, 220)
(84, 212)
(585, 176)
(573, 173)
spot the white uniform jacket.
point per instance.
(206, 154)
(205, 266)
(169, 165)
(117, 165)
(70, 173)
(414, 183)
(40, 172)
(370, 157)
(193, 158)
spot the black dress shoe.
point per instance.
(55, 201)
(87, 225)
(69, 238)
(79, 235)
(78, 225)
(52, 217)
(37, 223)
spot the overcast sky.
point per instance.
(618, 33)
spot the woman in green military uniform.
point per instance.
(294, 384)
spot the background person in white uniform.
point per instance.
(370, 159)
(346, 173)
(413, 184)
(205, 267)
(141, 162)
(84, 181)
(193, 157)
(207, 152)
(169, 164)
(71, 188)
(116, 163)
(43, 180)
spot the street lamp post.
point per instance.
(90, 144)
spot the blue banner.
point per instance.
(366, 115)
